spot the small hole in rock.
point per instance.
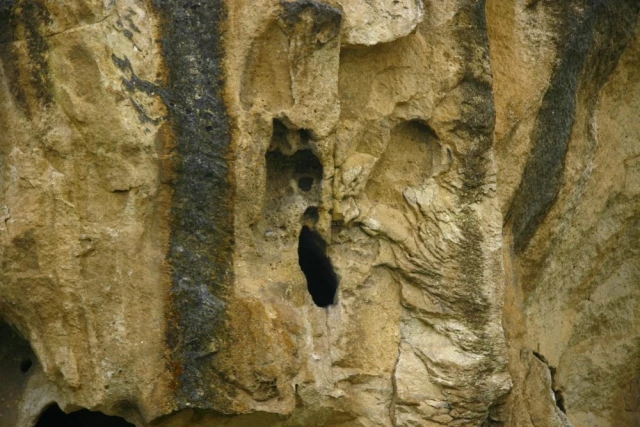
(25, 365)
(305, 136)
(305, 183)
(322, 281)
(54, 417)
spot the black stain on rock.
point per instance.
(29, 78)
(135, 83)
(592, 35)
(201, 241)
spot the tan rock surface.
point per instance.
(572, 289)
(84, 231)
(182, 183)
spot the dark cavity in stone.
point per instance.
(25, 365)
(305, 183)
(54, 417)
(17, 363)
(559, 400)
(322, 281)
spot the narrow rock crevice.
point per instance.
(557, 394)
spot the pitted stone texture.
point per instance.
(406, 201)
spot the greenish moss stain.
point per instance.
(6, 11)
(472, 268)
(201, 242)
(594, 27)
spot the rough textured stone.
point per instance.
(84, 235)
(176, 177)
(370, 22)
(571, 217)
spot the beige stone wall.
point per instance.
(572, 295)
(470, 173)
(406, 201)
(83, 205)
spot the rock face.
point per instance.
(567, 151)
(299, 213)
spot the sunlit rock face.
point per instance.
(84, 143)
(566, 83)
(341, 212)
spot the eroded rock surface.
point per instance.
(565, 149)
(341, 212)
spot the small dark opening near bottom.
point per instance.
(54, 417)
(25, 365)
(322, 281)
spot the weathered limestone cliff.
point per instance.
(320, 213)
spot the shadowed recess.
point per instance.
(322, 281)
(54, 417)
(17, 363)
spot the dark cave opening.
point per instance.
(53, 416)
(25, 365)
(17, 364)
(322, 281)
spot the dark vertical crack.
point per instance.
(557, 393)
